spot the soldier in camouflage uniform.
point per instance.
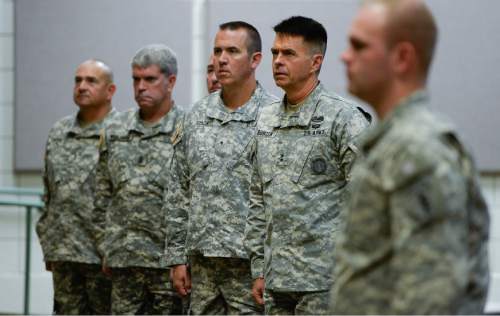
(304, 149)
(65, 229)
(215, 163)
(415, 240)
(213, 83)
(132, 178)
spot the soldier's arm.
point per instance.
(104, 191)
(430, 242)
(176, 208)
(255, 230)
(404, 247)
(347, 134)
(41, 225)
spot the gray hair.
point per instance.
(156, 54)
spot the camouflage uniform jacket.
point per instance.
(66, 229)
(216, 173)
(302, 162)
(415, 240)
(132, 178)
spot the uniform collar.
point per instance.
(416, 99)
(165, 126)
(245, 113)
(90, 130)
(302, 117)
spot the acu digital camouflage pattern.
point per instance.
(66, 228)
(416, 233)
(144, 291)
(215, 168)
(302, 162)
(296, 303)
(209, 298)
(131, 182)
(80, 289)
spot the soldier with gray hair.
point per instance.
(132, 178)
(415, 240)
(66, 229)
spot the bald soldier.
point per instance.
(415, 240)
(65, 229)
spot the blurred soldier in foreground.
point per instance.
(415, 240)
(213, 83)
(66, 229)
(132, 178)
(208, 227)
(304, 149)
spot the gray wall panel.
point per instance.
(54, 36)
(465, 79)
(465, 82)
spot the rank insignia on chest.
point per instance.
(318, 165)
(176, 137)
(102, 137)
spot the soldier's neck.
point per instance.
(236, 96)
(296, 96)
(87, 116)
(154, 115)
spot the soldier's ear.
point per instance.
(317, 61)
(111, 90)
(256, 58)
(171, 82)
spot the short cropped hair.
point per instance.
(106, 69)
(254, 43)
(156, 54)
(310, 30)
(411, 21)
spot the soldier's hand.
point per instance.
(181, 279)
(258, 290)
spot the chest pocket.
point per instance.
(72, 163)
(320, 165)
(158, 159)
(220, 147)
(143, 159)
(123, 156)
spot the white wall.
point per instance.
(491, 190)
(12, 232)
